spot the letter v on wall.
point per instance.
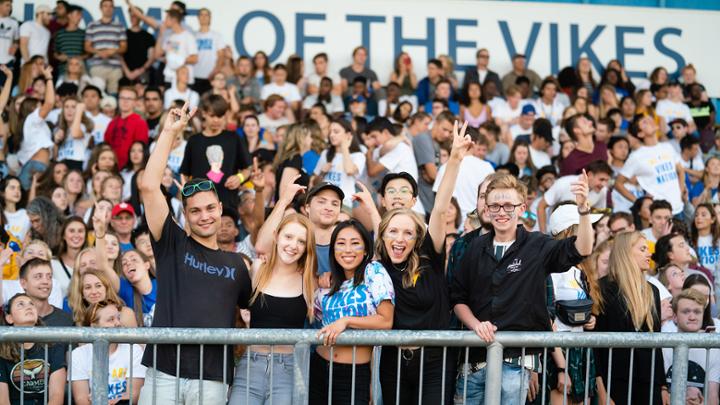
(510, 43)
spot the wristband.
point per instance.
(583, 213)
(240, 176)
(560, 369)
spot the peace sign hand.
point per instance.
(178, 119)
(462, 143)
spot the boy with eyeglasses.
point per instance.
(499, 284)
(199, 286)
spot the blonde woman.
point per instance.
(282, 298)
(93, 286)
(630, 304)
(288, 160)
(35, 248)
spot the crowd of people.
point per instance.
(156, 179)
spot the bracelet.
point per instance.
(560, 369)
(240, 176)
(99, 236)
(583, 213)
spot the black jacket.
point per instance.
(471, 76)
(511, 293)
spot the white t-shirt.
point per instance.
(176, 157)
(647, 232)
(334, 106)
(698, 365)
(560, 191)
(270, 124)
(655, 169)
(18, 223)
(664, 292)
(288, 91)
(337, 175)
(74, 148)
(36, 136)
(208, 45)
(178, 47)
(567, 286)
(622, 204)
(39, 38)
(188, 95)
(314, 79)
(505, 112)
(118, 370)
(9, 34)
(61, 278)
(552, 112)
(708, 254)
(101, 122)
(53, 116)
(673, 109)
(539, 158)
(471, 174)
(516, 130)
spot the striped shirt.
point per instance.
(105, 36)
(70, 43)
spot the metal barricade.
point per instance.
(303, 340)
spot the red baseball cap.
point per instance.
(122, 207)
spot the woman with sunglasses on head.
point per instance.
(361, 297)
(282, 298)
(123, 365)
(414, 257)
(30, 374)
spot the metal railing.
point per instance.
(302, 340)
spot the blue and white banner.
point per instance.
(551, 36)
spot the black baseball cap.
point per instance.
(402, 175)
(323, 186)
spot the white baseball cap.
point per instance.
(566, 216)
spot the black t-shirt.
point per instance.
(225, 151)
(138, 43)
(58, 317)
(197, 287)
(295, 162)
(425, 305)
(33, 373)
(153, 126)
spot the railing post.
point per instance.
(301, 373)
(679, 375)
(100, 365)
(493, 374)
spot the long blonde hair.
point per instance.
(307, 264)
(78, 304)
(413, 270)
(589, 266)
(635, 291)
(293, 143)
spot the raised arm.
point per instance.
(76, 126)
(460, 147)
(156, 208)
(100, 228)
(264, 241)
(585, 234)
(258, 180)
(7, 87)
(49, 101)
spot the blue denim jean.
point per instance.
(261, 381)
(28, 169)
(510, 386)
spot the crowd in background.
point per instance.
(145, 168)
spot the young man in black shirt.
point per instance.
(199, 286)
(153, 100)
(37, 281)
(500, 281)
(217, 154)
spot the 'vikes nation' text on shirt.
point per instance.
(197, 287)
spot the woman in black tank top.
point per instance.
(282, 299)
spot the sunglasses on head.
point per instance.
(190, 189)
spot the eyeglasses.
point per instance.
(505, 207)
(190, 189)
(402, 191)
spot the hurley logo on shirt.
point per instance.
(515, 266)
(224, 271)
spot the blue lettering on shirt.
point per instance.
(708, 255)
(224, 271)
(353, 302)
(665, 172)
(205, 44)
(116, 390)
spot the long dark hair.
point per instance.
(714, 228)
(146, 155)
(63, 244)
(3, 185)
(26, 108)
(354, 145)
(695, 279)
(635, 211)
(338, 273)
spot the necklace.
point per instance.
(402, 270)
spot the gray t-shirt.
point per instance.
(349, 74)
(426, 151)
(499, 155)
